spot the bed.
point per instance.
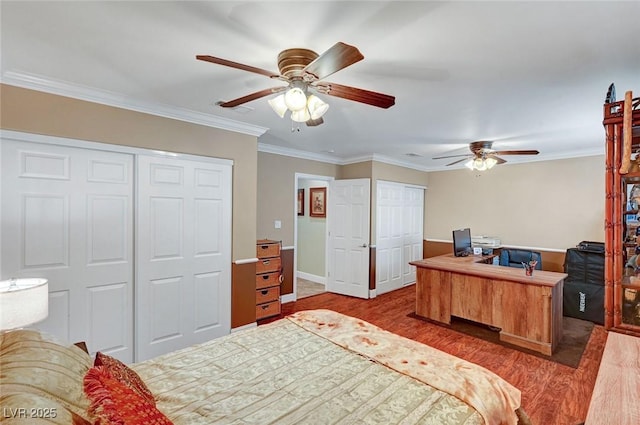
(312, 367)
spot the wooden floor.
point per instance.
(552, 394)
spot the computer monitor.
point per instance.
(462, 242)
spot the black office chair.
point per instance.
(515, 258)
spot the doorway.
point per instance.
(310, 235)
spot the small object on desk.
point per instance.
(528, 267)
(477, 250)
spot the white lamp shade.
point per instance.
(278, 105)
(469, 164)
(479, 164)
(295, 99)
(301, 115)
(23, 302)
(490, 162)
(316, 106)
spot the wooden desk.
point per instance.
(528, 309)
(615, 395)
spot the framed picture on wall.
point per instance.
(318, 201)
(300, 201)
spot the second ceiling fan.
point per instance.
(483, 157)
(304, 70)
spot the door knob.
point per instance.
(364, 245)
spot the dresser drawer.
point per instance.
(268, 294)
(268, 249)
(268, 265)
(268, 309)
(268, 279)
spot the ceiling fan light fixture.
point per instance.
(316, 106)
(295, 99)
(469, 164)
(490, 162)
(278, 105)
(301, 115)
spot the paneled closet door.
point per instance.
(183, 254)
(67, 215)
(399, 234)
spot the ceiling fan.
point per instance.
(304, 71)
(483, 157)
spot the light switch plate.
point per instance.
(277, 224)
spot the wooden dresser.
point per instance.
(268, 278)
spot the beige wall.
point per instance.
(276, 197)
(312, 234)
(546, 204)
(41, 113)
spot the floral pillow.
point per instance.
(124, 374)
(114, 402)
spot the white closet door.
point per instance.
(389, 237)
(413, 234)
(184, 254)
(399, 234)
(67, 216)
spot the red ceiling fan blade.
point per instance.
(516, 152)
(359, 95)
(313, 123)
(250, 97)
(497, 158)
(237, 65)
(338, 57)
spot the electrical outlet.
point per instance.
(277, 224)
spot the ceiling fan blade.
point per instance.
(250, 97)
(359, 95)
(497, 158)
(237, 65)
(456, 162)
(450, 156)
(516, 152)
(312, 123)
(338, 57)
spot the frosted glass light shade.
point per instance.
(316, 106)
(278, 105)
(469, 164)
(23, 302)
(490, 162)
(295, 99)
(301, 115)
(479, 164)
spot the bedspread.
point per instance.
(321, 367)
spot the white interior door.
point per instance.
(389, 236)
(399, 234)
(67, 216)
(413, 234)
(184, 254)
(348, 224)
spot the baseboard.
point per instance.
(312, 277)
(287, 298)
(243, 327)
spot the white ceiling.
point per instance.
(527, 75)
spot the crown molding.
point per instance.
(297, 153)
(76, 91)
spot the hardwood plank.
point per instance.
(552, 393)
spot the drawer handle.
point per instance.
(265, 276)
(264, 291)
(281, 278)
(265, 247)
(266, 262)
(264, 307)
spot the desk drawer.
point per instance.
(268, 294)
(268, 279)
(268, 309)
(268, 265)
